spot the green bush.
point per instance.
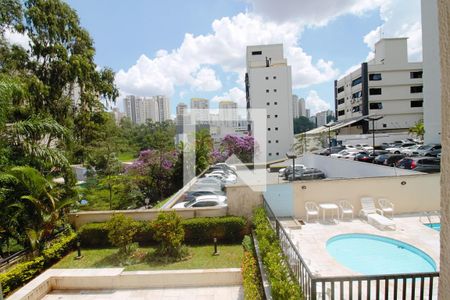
(282, 284)
(197, 231)
(23, 272)
(250, 272)
(121, 231)
(169, 234)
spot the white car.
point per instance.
(344, 153)
(398, 150)
(203, 201)
(410, 151)
(222, 177)
(281, 172)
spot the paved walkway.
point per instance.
(197, 293)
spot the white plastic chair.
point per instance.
(311, 210)
(368, 207)
(386, 206)
(346, 208)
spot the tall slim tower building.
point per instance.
(200, 109)
(302, 107)
(295, 106)
(163, 108)
(181, 113)
(228, 113)
(269, 86)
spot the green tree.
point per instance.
(203, 150)
(418, 129)
(169, 232)
(302, 124)
(121, 231)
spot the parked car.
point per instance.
(398, 149)
(307, 174)
(288, 170)
(369, 156)
(334, 149)
(410, 151)
(203, 201)
(420, 164)
(428, 150)
(388, 159)
(383, 146)
(344, 153)
(190, 195)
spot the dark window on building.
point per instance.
(278, 153)
(256, 52)
(276, 103)
(356, 108)
(267, 91)
(276, 141)
(357, 95)
(384, 125)
(341, 112)
(267, 103)
(376, 105)
(340, 89)
(276, 116)
(341, 101)
(270, 154)
(269, 141)
(417, 103)
(276, 128)
(267, 78)
(268, 129)
(275, 90)
(375, 77)
(417, 74)
(274, 77)
(268, 116)
(375, 91)
(357, 81)
(417, 89)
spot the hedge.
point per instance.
(197, 231)
(282, 284)
(21, 273)
(251, 279)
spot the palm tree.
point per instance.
(418, 129)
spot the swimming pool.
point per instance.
(372, 254)
(435, 226)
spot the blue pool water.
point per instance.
(371, 254)
(435, 226)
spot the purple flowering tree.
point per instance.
(241, 146)
(156, 170)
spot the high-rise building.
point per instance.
(269, 86)
(295, 107)
(228, 113)
(321, 118)
(141, 109)
(181, 114)
(388, 85)
(302, 107)
(308, 113)
(200, 110)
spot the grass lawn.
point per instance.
(126, 156)
(200, 258)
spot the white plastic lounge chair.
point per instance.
(345, 208)
(368, 207)
(311, 210)
(386, 206)
(380, 221)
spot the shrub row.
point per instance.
(197, 231)
(250, 272)
(282, 284)
(23, 272)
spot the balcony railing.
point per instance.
(371, 287)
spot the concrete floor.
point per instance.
(197, 293)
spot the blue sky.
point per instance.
(196, 48)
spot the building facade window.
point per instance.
(268, 116)
(278, 153)
(268, 129)
(357, 95)
(356, 108)
(256, 52)
(268, 103)
(276, 141)
(416, 103)
(267, 91)
(416, 89)
(267, 78)
(341, 112)
(341, 101)
(269, 141)
(416, 74)
(276, 103)
(274, 90)
(340, 89)
(375, 91)
(274, 77)
(270, 154)
(276, 128)
(375, 77)
(357, 81)
(276, 116)
(376, 105)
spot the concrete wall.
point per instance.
(444, 34)
(419, 193)
(80, 218)
(242, 200)
(280, 198)
(344, 168)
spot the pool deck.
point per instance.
(312, 238)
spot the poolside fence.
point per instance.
(371, 287)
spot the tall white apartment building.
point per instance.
(182, 110)
(321, 118)
(298, 107)
(141, 109)
(388, 85)
(228, 115)
(269, 86)
(200, 110)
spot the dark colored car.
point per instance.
(307, 174)
(369, 156)
(388, 159)
(420, 164)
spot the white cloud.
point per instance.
(315, 103)
(234, 94)
(311, 13)
(16, 38)
(401, 18)
(224, 47)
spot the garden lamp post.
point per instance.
(328, 125)
(147, 201)
(373, 119)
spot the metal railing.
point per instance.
(371, 287)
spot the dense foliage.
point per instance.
(303, 124)
(250, 272)
(121, 231)
(196, 231)
(243, 147)
(169, 233)
(283, 285)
